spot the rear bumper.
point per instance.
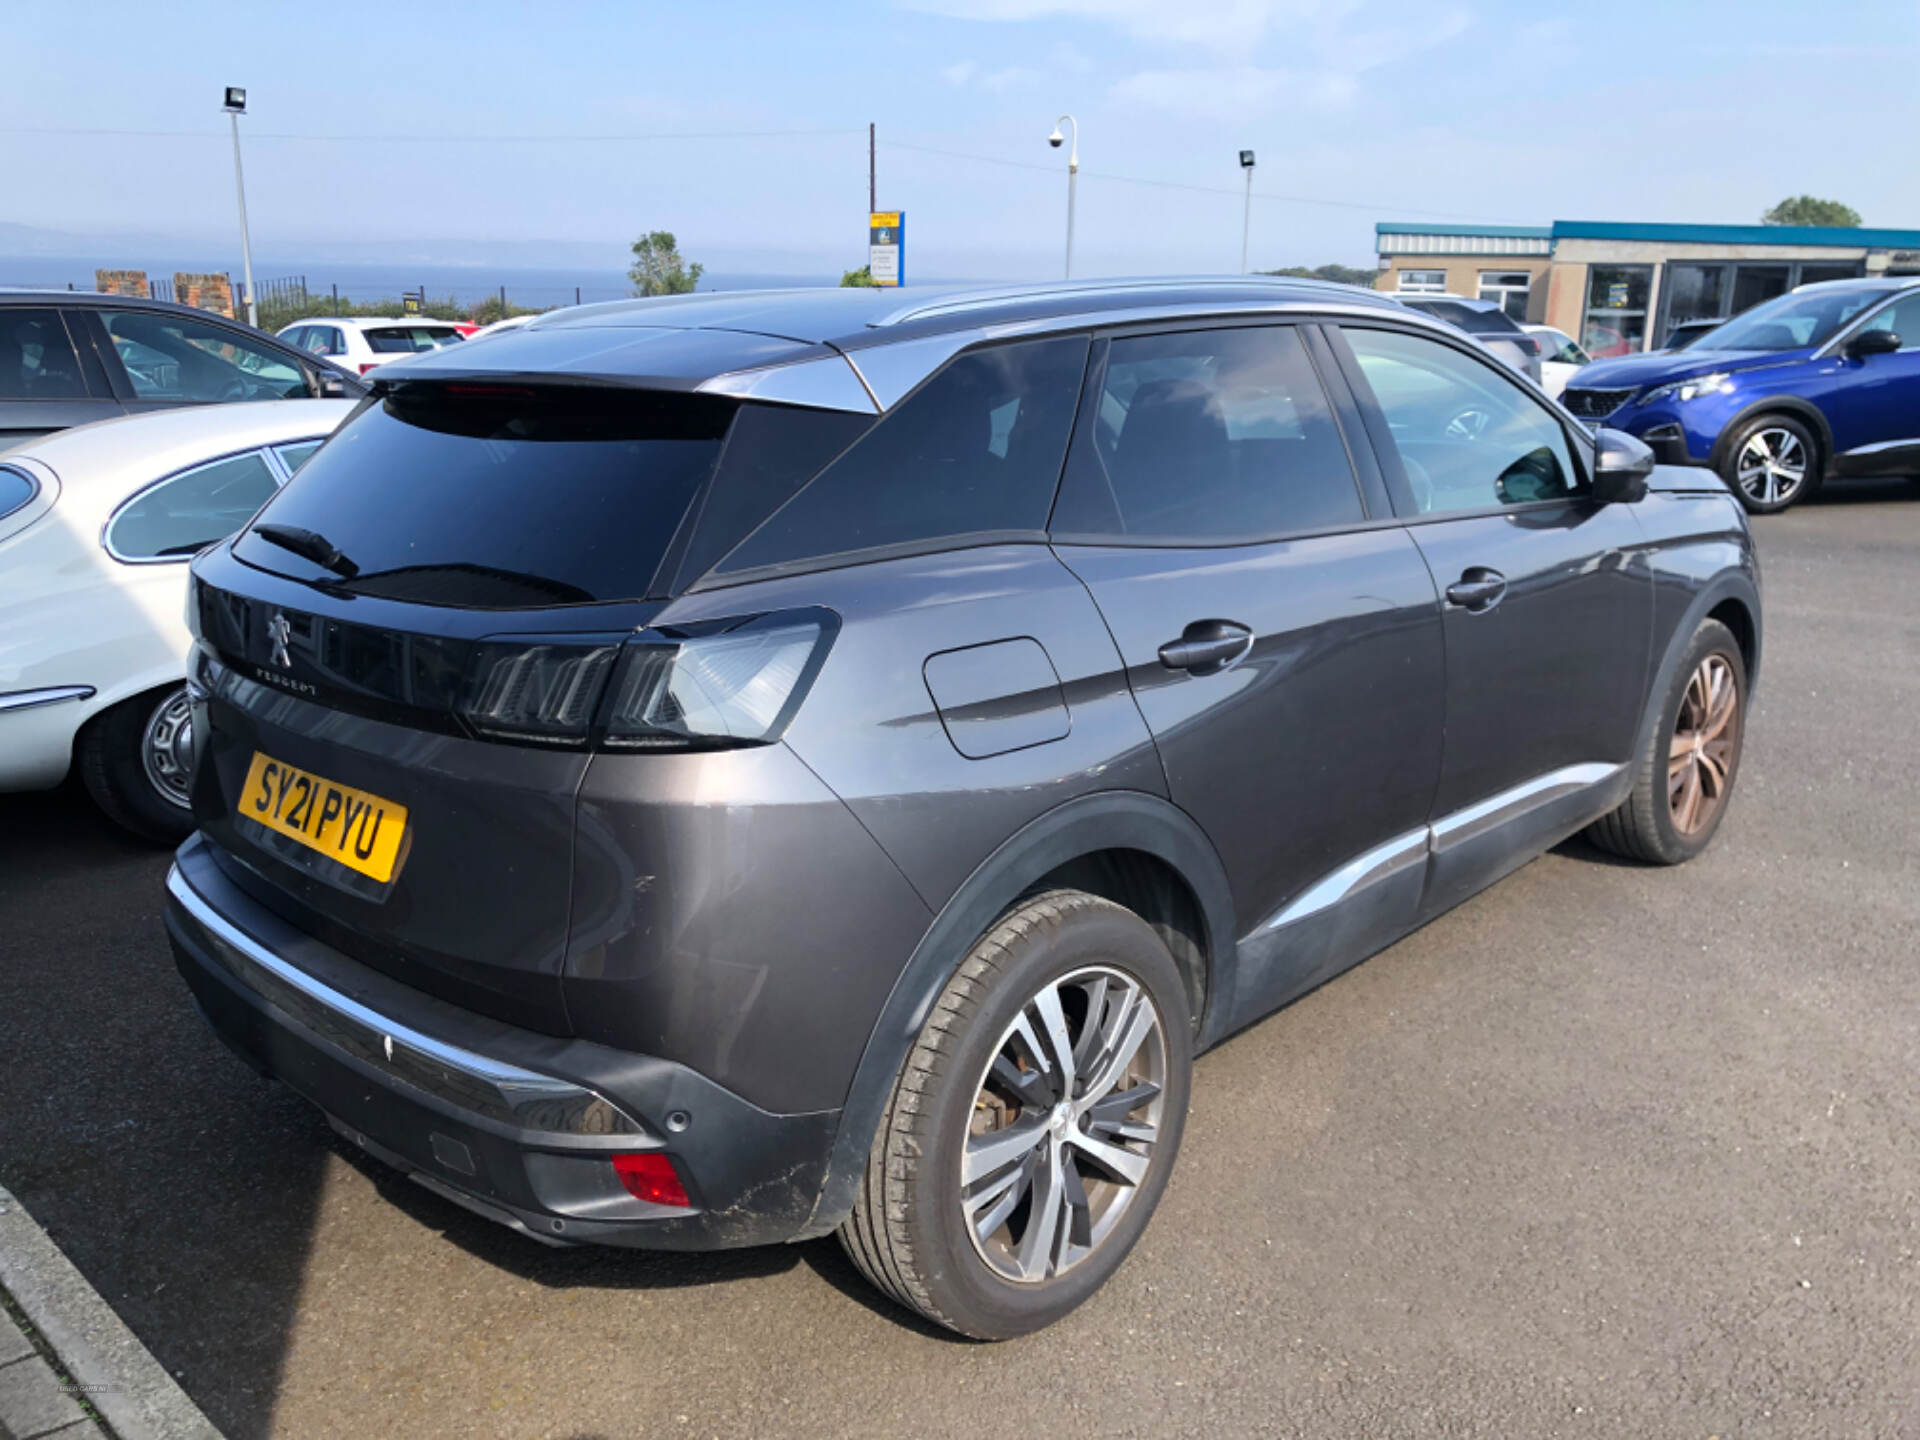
(515, 1125)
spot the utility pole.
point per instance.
(236, 106)
(1246, 215)
(873, 200)
(1056, 139)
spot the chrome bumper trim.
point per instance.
(492, 1089)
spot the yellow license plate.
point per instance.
(360, 830)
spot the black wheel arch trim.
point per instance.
(1110, 820)
(1728, 585)
(1791, 406)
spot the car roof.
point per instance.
(365, 322)
(681, 341)
(1884, 284)
(163, 441)
(1415, 297)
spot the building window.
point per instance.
(1616, 321)
(1508, 289)
(1424, 282)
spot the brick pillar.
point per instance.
(204, 292)
(121, 282)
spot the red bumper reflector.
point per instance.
(650, 1176)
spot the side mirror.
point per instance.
(1872, 342)
(1621, 465)
(332, 386)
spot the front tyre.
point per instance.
(1684, 774)
(1033, 1128)
(136, 761)
(1772, 461)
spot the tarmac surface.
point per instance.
(1606, 1151)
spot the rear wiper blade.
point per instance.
(308, 545)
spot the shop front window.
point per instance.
(1754, 283)
(1508, 289)
(1616, 322)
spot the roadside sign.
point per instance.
(412, 304)
(1617, 295)
(887, 247)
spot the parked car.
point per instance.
(992, 699)
(1487, 323)
(502, 327)
(1822, 381)
(97, 524)
(1560, 358)
(70, 358)
(362, 345)
(1688, 332)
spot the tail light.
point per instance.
(729, 683)
(737, 686)
(366, 365)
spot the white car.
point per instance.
(362, 345)
(97, 525)
(1560, 358)
(501, 327)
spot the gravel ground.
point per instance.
(1606, 1151)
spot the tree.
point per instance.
(1810, 210)
(658, 269)
(1339, 274)
(862, 276)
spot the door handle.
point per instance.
(1207, 647)
(1478, 590)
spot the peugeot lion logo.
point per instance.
(279, 631)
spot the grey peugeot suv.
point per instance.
(720, 770)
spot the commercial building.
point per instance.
(1617, 287)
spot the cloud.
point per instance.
(959, 72)
(1227, 26)
(1328, 64)
(1014, 77)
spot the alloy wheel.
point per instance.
(166, 749)
(1772, 465)
(1064, 1125)
(1706, 737)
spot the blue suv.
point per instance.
(1822, 381)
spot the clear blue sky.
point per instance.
(1702, 110)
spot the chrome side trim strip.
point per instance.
(828, 383)
(889, 371)
(1496, 810)
(1880, 448)
(1377, 864)
(32, 699)
(503, 1093)
(1415, 846)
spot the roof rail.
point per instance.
(959, 302)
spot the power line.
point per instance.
(1374, 207)
(253, 135)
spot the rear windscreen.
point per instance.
(1474, 322)
(498, 497)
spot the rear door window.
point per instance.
(37, 359)
(185, 513)
(501, 497)
(178, 358)
(1207, 437)
(295, 455)
(410, 339)
(974, 452)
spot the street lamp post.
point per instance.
(1246, 215)
(1073, 170)
(236, 106)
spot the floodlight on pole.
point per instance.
(1246, 214)
(236, 105)
(1056, 139)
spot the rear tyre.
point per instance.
(136, 762)
(1685, 772)
(1771, 462)
(1033, 1128)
